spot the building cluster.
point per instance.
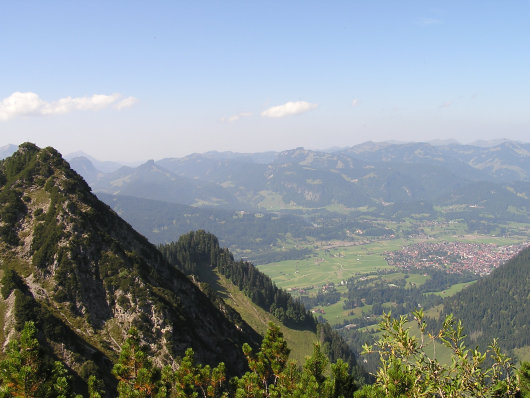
(453, 257)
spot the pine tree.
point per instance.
(195, 380)
(266, 368)
(22, 373)
(134, 370)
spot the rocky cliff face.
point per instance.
(73, 265)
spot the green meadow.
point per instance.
(331, 264)
(454, 289)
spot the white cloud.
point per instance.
(30, 104)
(289, 108)
(234, 118)
(20, 103)
(355, 102)
(126, 103)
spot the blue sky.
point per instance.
(134, 80)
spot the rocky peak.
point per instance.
(89, 270)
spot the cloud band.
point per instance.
(29, 104)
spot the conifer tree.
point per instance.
(134, 370)
(21, 372)
(95, 387)
(195, 380)
(266, 367)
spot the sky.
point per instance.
(136, 80)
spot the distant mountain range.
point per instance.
(364, 175)
(386, 179)
(370, 175)
(505, 162)
(102, 166)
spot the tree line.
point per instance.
(199, 249)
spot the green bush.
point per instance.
(11, 281)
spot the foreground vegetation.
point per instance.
(405, 370)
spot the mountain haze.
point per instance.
(371, 176)
(150, 181)
(7, 150)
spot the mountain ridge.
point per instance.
(369, 174)
(87, 268)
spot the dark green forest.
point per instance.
(496, 306)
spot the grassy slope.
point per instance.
(300, 341)
(454, 289)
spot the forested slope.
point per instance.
(198, 253)
(84, 276)
(497, 306)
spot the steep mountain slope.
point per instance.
(70, 263)
(497, 306)
(198, 253)
(300, 341)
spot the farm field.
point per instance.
(330, 265)
(322, 280)
(334, 262)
